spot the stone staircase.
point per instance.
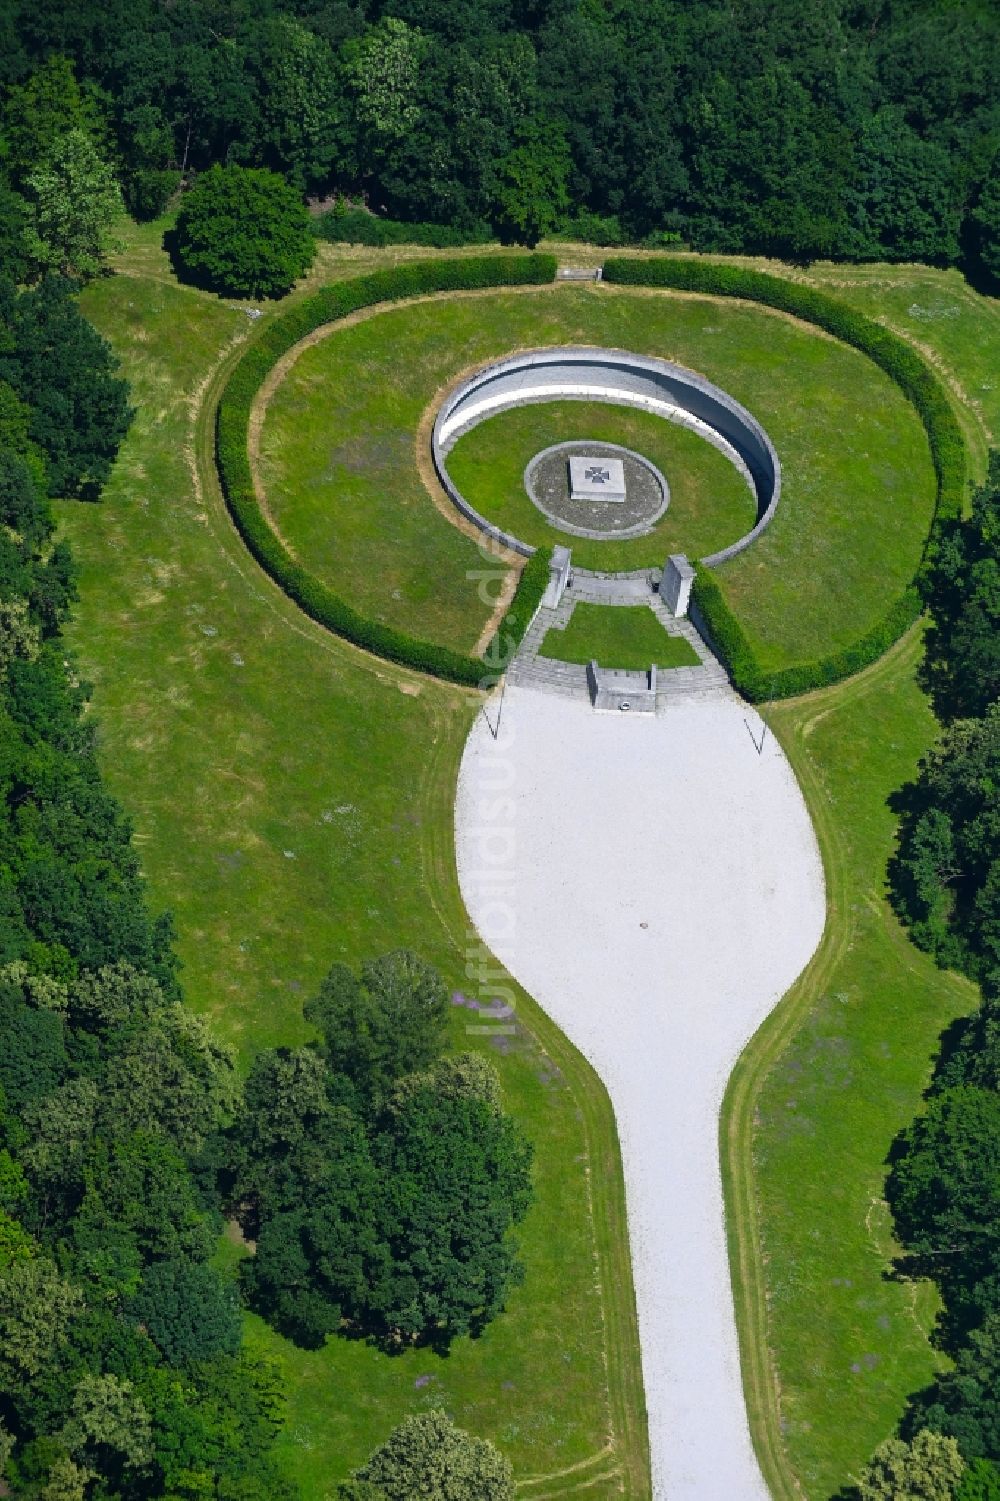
(533, 671)
(676, 684)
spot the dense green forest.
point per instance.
(861, 129)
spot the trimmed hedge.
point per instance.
(359, 227)
(232, 454)
(521, 611)
(756, 683)
(917, 382)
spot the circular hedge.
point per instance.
(232, 454)
(917, 382)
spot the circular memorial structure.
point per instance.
(619, 378)
(600, 490)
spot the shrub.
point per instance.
(929, 1469)
(917, 382)
(149, 190)
(356, 226)
(243, 231)
(428, 1456)
(521, 611)
(592, 229)
(233, 417)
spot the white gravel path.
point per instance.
(655, 884)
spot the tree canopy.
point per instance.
(389, 1021)
(244, 231)
(121, 1372)
(429, 1456)
(928, 1469)
(943, 1185)
(946, 875)
(962, 662)
(844, 130)
(64, 372)
(379, 1180)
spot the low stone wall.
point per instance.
(619, 690)
(619, 378)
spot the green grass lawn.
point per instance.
(816, 1101)
(293, 805)
(338, 457)
(831, 1347)
(627, 636)
(710, 506)
(938, 312)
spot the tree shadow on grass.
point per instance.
(190, 277)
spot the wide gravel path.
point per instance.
(656, 885)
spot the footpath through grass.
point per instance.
(628, 636)
(293, 802)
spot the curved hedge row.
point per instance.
(917, 382)
(232, 433)
(521, 610)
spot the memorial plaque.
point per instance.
(599, 478)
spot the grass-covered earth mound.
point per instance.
(344, 439)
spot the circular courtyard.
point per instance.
(640, 501)
(341, 445)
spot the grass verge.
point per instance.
(830, 1344)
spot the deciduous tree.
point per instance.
(244, 231)
(929, 1469)
(961, 666)
(190, 1310)
(390, 1022)
(965, 1402)
(429, 1456)
(66, 374)
(74, 200)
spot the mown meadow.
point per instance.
(292, 801)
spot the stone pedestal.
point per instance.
(596, 477)
(559, 572)
(675, 585)
(615, 690)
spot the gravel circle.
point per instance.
(647, 495)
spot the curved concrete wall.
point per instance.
(614, 376)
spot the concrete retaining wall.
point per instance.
(620, 378)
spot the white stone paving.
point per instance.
(655, 884)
